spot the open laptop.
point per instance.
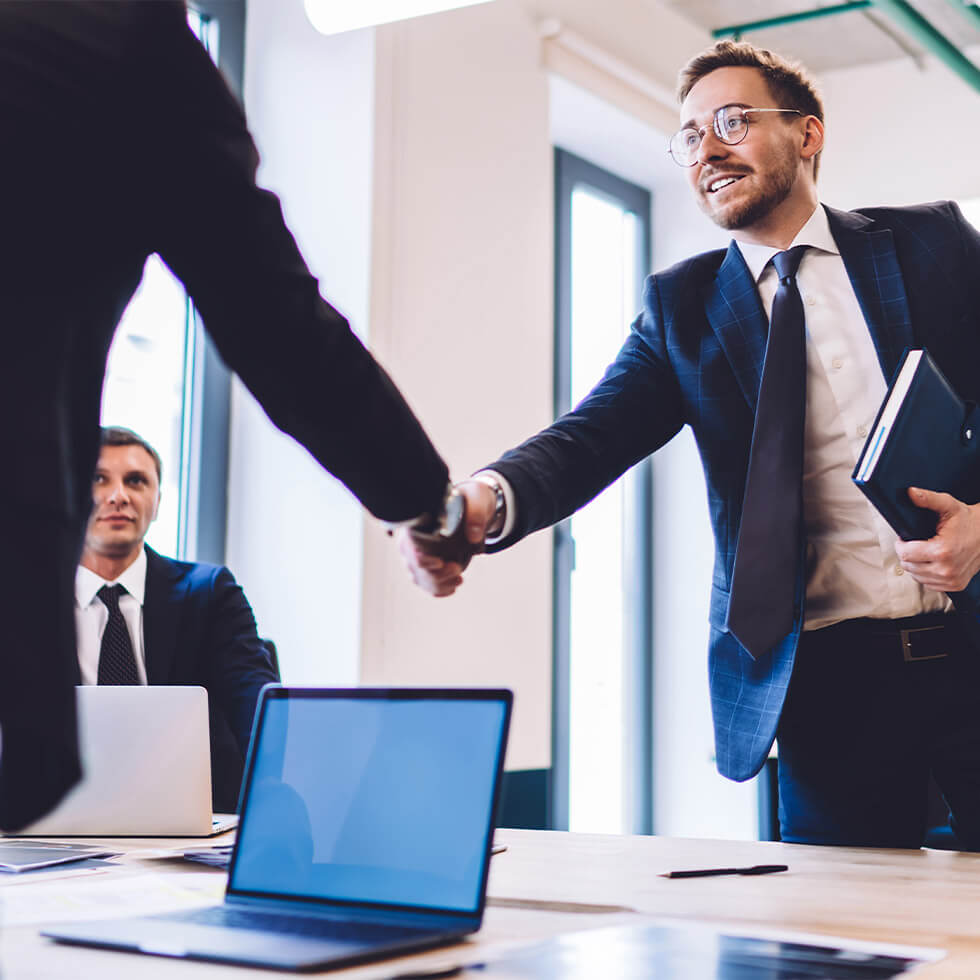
(146, 762)
(366, 828)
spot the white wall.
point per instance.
(462, 315)
(294, 534)
(900, 135)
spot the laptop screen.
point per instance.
(372, 796)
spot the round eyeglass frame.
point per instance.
(678, 154)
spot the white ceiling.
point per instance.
(858, 37)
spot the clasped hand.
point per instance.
(947, 561)
(431, 573)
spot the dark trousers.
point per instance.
(864, 725)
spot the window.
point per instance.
(147, 387)
(602, 553)
(165, 381)
(971, 209)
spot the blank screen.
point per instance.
(366, 800)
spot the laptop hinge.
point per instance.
(402, 917)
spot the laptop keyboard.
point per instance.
(295, 925)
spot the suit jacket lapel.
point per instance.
(872, 266)
(165, 588)
(736, 315)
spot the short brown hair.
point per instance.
(788, 81)
(116, 435)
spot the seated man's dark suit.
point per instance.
(695, 358)
(198, 628)
(121, 140)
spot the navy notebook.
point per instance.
(925, 436)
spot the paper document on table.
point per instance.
(76, 869)
(109, 896)
(29, 855)
(684, 949)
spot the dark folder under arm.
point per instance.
(925, 436)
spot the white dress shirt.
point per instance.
(91, 616)
(852, 569)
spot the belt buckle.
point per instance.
(906, 638)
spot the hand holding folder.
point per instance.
(948, 561)
(927, 438)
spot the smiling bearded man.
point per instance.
(826, 630)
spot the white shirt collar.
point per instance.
(815, 233)
(133, 580)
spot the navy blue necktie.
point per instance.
(760, 610)
(117, 664)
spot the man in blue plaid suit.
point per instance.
(861, 721)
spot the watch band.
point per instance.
(496, 525)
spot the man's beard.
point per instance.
(747, 212)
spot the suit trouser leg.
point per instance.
(955, 748)
(861, 730)
(38, 666)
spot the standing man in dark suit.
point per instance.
(180, 622)
(120, 139)
(826, 631)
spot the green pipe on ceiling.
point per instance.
(736, 30)
(969, 10)
(907, 17)
(919, 29)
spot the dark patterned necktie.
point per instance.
(760, 610)
(117, 664)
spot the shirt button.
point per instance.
(862, 431)
(899, 570)
(837, 363)
(811, 301)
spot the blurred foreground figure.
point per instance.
(120, 139)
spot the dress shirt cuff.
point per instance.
(510, 505)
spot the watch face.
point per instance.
(455, 512)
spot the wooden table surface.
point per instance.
(549, 883)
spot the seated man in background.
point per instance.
(145, 619)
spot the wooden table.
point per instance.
(549, 883)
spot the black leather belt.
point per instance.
(918, 637)
(932, 636)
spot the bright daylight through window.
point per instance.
(150, 374)
(603, 276)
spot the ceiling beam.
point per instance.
(900, 11)
(922, 31)
(969, 9)
(737, 30)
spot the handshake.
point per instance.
(436, 561)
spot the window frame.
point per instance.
(206, 425)
(572, 171)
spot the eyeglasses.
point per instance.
(730, 124)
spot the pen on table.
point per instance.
(755, 869)
(449, 971)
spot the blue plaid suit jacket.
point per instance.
(694, 357)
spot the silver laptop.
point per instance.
(146, 760)
(366, 829)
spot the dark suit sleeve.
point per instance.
(970, 236)
(238, 665)
(226, 239)
(634, 409)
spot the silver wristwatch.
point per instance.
(499, 519)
